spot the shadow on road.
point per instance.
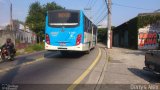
(148, 76)
(69, 55)
(3, 61)
(9, 76)
(24, 58)
(135, 52)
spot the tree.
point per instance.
(36, 17)
(102, 34)
(51, 6)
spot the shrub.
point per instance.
(38, 47)
(35, 47)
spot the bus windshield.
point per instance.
(63, 18)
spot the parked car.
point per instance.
(152, 61)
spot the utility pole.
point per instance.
(109, 39)
(11, 25)
(11, 22)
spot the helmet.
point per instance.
(8, 40)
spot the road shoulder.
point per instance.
(125, 68)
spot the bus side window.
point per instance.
(94, 30)
(89, 26)
(86, 24)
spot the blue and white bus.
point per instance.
(69, 30)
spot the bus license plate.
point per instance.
(62, 44)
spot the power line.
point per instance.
(100, 8)
(106, 3)
(88, 3)
(98, 18)
(88, 8)
(94, 3)
(69, 3)
(100, 14)
(158, 10)
(89, 12)
(102, 19)
(91, 3)
(103, 12)
(130, 6)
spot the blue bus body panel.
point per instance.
(65, 35)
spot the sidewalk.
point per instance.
(125, 66)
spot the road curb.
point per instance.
(24, 55)
(41, 58)
(86, 72)
(99, 84)
(26, 63)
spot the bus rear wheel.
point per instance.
(88, 51)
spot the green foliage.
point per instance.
(36, 16)
(102, 35)
(17, 41)
(134, 24)
(38, 47)
(18, 53)
(144, 20)
(35, 47)
(51, 6)
(139, 22)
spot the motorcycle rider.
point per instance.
(9, 47)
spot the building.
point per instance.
(21, 35)
(141, 32)
(25, 35)
(1, 28)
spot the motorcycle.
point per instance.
(5, 55)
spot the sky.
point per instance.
(122, 10)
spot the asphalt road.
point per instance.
(49, 69)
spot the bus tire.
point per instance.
(88, 51)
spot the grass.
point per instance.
(35, 47)
(30, 49)
(18, 53)
(109, 58)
